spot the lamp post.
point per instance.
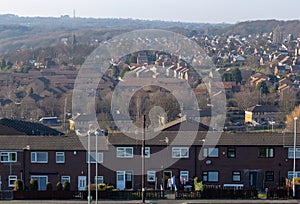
(89, 166)
(143, 160)
(294, 163)
(97, 133)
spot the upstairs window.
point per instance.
(291, 152)
(211, 152)
(60, 157)
(39, 157)
(231, 153)
(93, 157)
(265, 152)
(8, 156)
(180, 152)
(124, 152)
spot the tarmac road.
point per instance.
(291, 201)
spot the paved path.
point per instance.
(291, 201)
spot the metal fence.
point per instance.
(6, 195)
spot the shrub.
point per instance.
(110, 187)
(67, 186)
(198, 185)
(101, 187)
(59, 186)
(49, 186)
(33, 185)
(18, 185)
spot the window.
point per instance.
(60, 157)
(99, 180)
(269, 175)
(231, 152)
(93, 157)
(42, 182)
(39, 157)
(180, 152)
(147, 152)
(8, 156)
(211, 152)
(265, 152)
(291, 174)
(151, 176)
(184, 177)
(65, 179)
(236, 176)
(210, 176)
(291, 152)
(11, 180)
(125, 152)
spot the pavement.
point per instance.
(220, 201)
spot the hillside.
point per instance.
(260, 27)
(33, 32)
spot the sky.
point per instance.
(203, 11)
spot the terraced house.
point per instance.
(239, 159)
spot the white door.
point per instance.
(121, 180)
(81, 183)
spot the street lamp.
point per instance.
(294, 164)
(97, 133)
(89, 166)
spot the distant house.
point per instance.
(295, 69)
(261, 113)
(81, 122)
(283, 70)
(49, 120)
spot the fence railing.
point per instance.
(124, 195)
(233, 193)
(6, 195)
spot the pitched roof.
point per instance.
(263, 108)
(27, 128)
(226, 139)
(19, 142)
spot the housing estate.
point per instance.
(238, 159)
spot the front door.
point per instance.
(121, 180)
(253, 178)
(81, 183)
(167, 176)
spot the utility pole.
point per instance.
(143, 160)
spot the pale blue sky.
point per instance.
(207, 11)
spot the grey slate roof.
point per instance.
(226, 139)
(19, 142)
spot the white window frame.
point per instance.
(65, 178)
(93, 157)
(180, 152)
(124, 152)
(60, 155)
(147, 152)
(9, 157)
(151, 176)
(39, 186)
(34, 157)
(100, 179)
(209, 175)
(185, 175)
(291, 152)
(211, 152)
(291, 174)
(11, 180)
(236, 176)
